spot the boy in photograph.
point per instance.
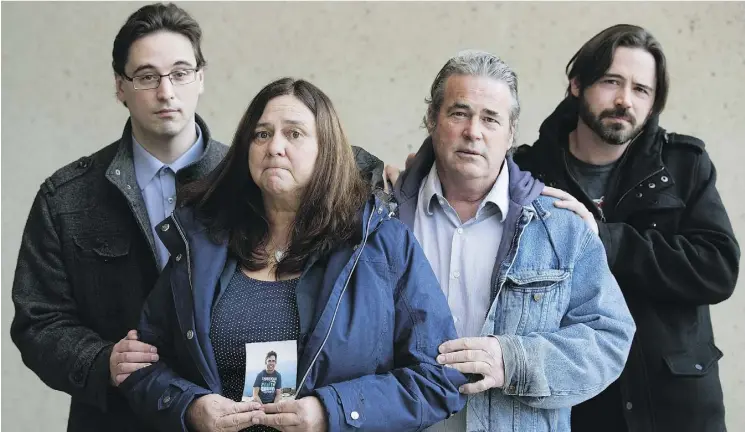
(268, 383)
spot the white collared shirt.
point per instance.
(463, 256)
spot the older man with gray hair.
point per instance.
(541, 321)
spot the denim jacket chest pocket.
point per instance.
(533, 301)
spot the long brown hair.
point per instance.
(594, 59)
(230, 203)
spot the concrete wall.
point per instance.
(376, 61)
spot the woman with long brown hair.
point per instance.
(286, 241)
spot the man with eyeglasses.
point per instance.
(89, 256)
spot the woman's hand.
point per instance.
(214, 413)
(300, 415)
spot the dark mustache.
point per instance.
(618, 112)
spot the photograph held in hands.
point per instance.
(271, 372)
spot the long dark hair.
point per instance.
(594, 59)
(230, 203)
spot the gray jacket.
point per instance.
(85, 266)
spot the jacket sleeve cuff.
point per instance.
(513, 359)
(332, 404)
(99, 388)
(161, 401)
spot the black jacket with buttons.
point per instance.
(671, 247)
(85, 266)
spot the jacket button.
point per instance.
(166, 399)
(664, 179)
(178, 257)
(653, 225)
(629, 405)
(190, 334)
(355, 415)
(639, 195)
(165, 227)
(652, 185)
(117, 172)
(699, 367)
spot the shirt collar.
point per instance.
(432, 188)
(498, 195)
(147, 165)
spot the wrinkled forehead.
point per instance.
(478, 93)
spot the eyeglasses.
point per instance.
(152, 81)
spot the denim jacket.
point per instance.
(557, 311)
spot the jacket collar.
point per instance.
(378, 208)
(643, 157)
(646, 148)
(121, 173)
(523, 187)
(147, 165)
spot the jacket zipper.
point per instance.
(338, 303)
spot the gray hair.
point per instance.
(472, 63)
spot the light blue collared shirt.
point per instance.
(462, 255)
(157, 182)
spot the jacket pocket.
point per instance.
(536, 280)
(105, 279)
(534, 300)
(104, 248)
(695, 362)
(662, 212)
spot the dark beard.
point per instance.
(613, 134)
